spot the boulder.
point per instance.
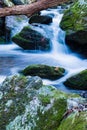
(40, 19)
(30, 39)
(74, 22)
(78, 42)
(78, 81)
(26, 104)
(44, 71)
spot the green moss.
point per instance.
(50, 119)
(18, 38)
(78, 81)
(44, 71)
(17, 97)
(74, 18)
(74, 122)
(31, 39)
(45, 100)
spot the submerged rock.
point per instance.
(78, 81)
(30, 39)
(74, 22)
(40, 19)
(44, 71)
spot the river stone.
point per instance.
(44, 71)
(74, 22)
(40, 19)
(30, 39)
(25, 103)
(78, 81)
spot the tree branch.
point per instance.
(30, 9)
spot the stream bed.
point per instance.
(13, 58)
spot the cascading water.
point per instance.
(13, 58)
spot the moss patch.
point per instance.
(74, 18)
(74, 122)
(44, 71)
(30, 39)
(78, 81)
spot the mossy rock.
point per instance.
(78, 81)
(74, 22)
(25, 103)
(74, 18)
(76, 121)
(44, 71)
(40, 19)
(78, 42)
(30, 39)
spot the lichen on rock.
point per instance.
(27, 104)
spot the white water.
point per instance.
(13, 58)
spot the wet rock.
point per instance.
(40, 19)
(74, 22)
(17, 2)
(5, 32)
(30, 39)
(78, 42)
(78, 81)
(2, 26)
(44, 71)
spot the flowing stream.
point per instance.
(14, 59)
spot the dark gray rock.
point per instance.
(40, 19)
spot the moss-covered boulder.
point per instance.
(40, 19)
(30, 39)
(78, 81)
(44, 71)
(25, 103)
(74, 22)
(76, 121)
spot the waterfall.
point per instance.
(60, 55)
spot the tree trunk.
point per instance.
(30, 9)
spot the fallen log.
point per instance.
(30, 9)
